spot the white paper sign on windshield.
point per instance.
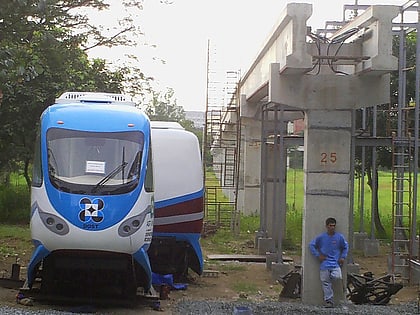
(96, 167)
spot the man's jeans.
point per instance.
(327, 276)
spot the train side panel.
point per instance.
(179, 212)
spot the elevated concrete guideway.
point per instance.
(322, 81)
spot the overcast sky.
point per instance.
(236, 30)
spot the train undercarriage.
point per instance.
(170, 256)
(90, 274)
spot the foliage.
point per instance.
(14, 204)
(409, 44)
(163, 107)
(43, 48)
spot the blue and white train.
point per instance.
(92, 200)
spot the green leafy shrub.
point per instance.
(14, 204)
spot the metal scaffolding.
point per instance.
(221, 147)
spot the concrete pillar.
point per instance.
(326, 182)
(359, 240)
(370, 247)
(272, 204)
(275, 194)
(252, 166)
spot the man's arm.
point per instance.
(314, 248)
(344, 250)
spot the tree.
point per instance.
(163, 107)
(43, 48)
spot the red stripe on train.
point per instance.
(186, 207)
(184, 227)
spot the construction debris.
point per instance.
(291, 283)
(365, 289)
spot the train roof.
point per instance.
(90, 111)
(94, 97)
(165, 125)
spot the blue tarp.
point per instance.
(158, 279)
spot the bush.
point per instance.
(14, 204)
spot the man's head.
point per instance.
(330, 224)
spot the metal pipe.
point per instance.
(416, 134)
(374, 188)
(362, 188)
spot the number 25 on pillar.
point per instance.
(328, 158)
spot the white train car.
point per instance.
(178, 222)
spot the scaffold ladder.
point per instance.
(402, 179)
(221, 148)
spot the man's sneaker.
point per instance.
(329, 304)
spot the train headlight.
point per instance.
(133, 224)
(50, 221)
(54, 223)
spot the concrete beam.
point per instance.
(329, 91)
(286, 46)
(375, 25)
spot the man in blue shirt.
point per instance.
(331, 249)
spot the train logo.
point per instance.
(91, 210)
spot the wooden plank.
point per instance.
(242, 258)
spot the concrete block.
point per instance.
(398, 266)
(359, 239)
(265, 245)
(270, 259)
(415, 273)
(279, 270)
(370, 248)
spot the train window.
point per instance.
(148, 182)
(94, 162)
(37, 167)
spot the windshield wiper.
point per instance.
(102, 182)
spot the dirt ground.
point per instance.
(226, 280)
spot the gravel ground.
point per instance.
(287, 308)
(246, 308)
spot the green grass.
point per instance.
(224, 242)
(227, 267)
(15, 240)
(224, 239)
(295, 203)
(14, 231)
(245, 287)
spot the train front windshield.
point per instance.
(95, 163)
